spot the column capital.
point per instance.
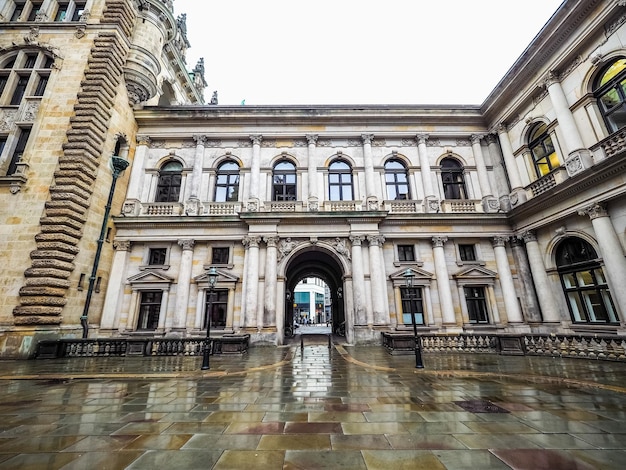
(256, 139)
(356, 239)
(491, 139)
(439, 241)
(251, 241)
(367, 138)
(143, 140)
(187, 244)
(499, 240)
(376, 240)
(311, 139)
(516, 241)
(200, 139)
(421, 138)
(271, 240)
(476, 138)
(121, 245)
(551, 78)
(595, 211)
(528, 236)
(502, 129)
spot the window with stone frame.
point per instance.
(23, 74)
(340, 181)
(467, 252)
(149, 310)
(396, 180)
(220, 255)
(542, 150)
(284, 180)
(79, 10)
(227, 182)
(406, 253)
(476, 302)
(22, 139)
(610, 91)
(584, 284)
(62, 11)
(453, 179)
(217, 305)
(157, 256)
(412, 304)
(170, 180)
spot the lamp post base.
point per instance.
(205, 356)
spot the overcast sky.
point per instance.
(358, 51)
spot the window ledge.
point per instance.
(14, 182)
(408, 263)
(589, 328)
(470, 263)
(162, 267)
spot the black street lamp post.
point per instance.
(118, 165)
(207, 342)
(408, 277)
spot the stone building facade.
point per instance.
(510, 216)
(71, 73)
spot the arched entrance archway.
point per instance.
(320, 263)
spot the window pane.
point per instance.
(569, 280)
(610, 99)
(576, 306)
(595, 306)
(584, 278)
(608, 305)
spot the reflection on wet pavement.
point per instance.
(344, 407)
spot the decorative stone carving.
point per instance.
(574, 165)
(187, 244)
(80, 31)
(121, 245)
(32, 36)
(341, 247)
(439, 241)
(499, 240)
(528, 236)
(256, 139)
(285, 247)
(200, 139)
(357, 240)
(271, 240)
(144, 140)
(251, 241)
(595, 210)
(311, 139)
(376, 240)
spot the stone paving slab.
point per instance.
(291, 408)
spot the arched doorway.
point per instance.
(315, 262)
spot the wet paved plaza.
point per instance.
(287, 408)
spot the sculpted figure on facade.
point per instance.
(285, 247)
(342, 248)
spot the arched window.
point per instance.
(396, 180)
(227, 184)
(453, 179)
(340, 181)
(170, 177)
(284, 181)
(610, 90)
(584, 284)
(542, 150)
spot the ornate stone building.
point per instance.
(510, 215)
(71, 73)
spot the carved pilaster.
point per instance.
(439, 241)
(476, 138)
(251, 241)
(186, 244)
(367, 138)
(144, 140)
(200, 139)
(357, 240)
(421, 138)
(595, 210)
(271, 241)
(311, 139)
(376, 240)
(121, 245)
(256, 139)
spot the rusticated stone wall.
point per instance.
(44, 293)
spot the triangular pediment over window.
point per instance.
(420, 276)
(222, 278)
(477, 273)
(150, 277)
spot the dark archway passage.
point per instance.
(318, 263)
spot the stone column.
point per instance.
(490, 204)
(549, 307)
(271, 261)
(132, 205)
(182, 290)
(578, 157)
(532, 310)
(358, 282)
(312, 195)
(115, 289)
(192, 205)
(431, 201)
(368, 165)
(163, 311)
(443, 282)
(255, 168)
(513, 312)
(611, 251)
(518, 194)
(252, 281)
(377, 279)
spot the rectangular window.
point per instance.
(476, 304)
(19, 151)
(41, 85)
(412, 305)
(3, 82)
(3, 143)
(36, 6)
(467, 252)
(61, 12)
(406, 253)
(17, 12)
(217, 304)
(220, 255)
(79, 9)
(20, 89)
(29, 63)
(157, 256)
(149, 308)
